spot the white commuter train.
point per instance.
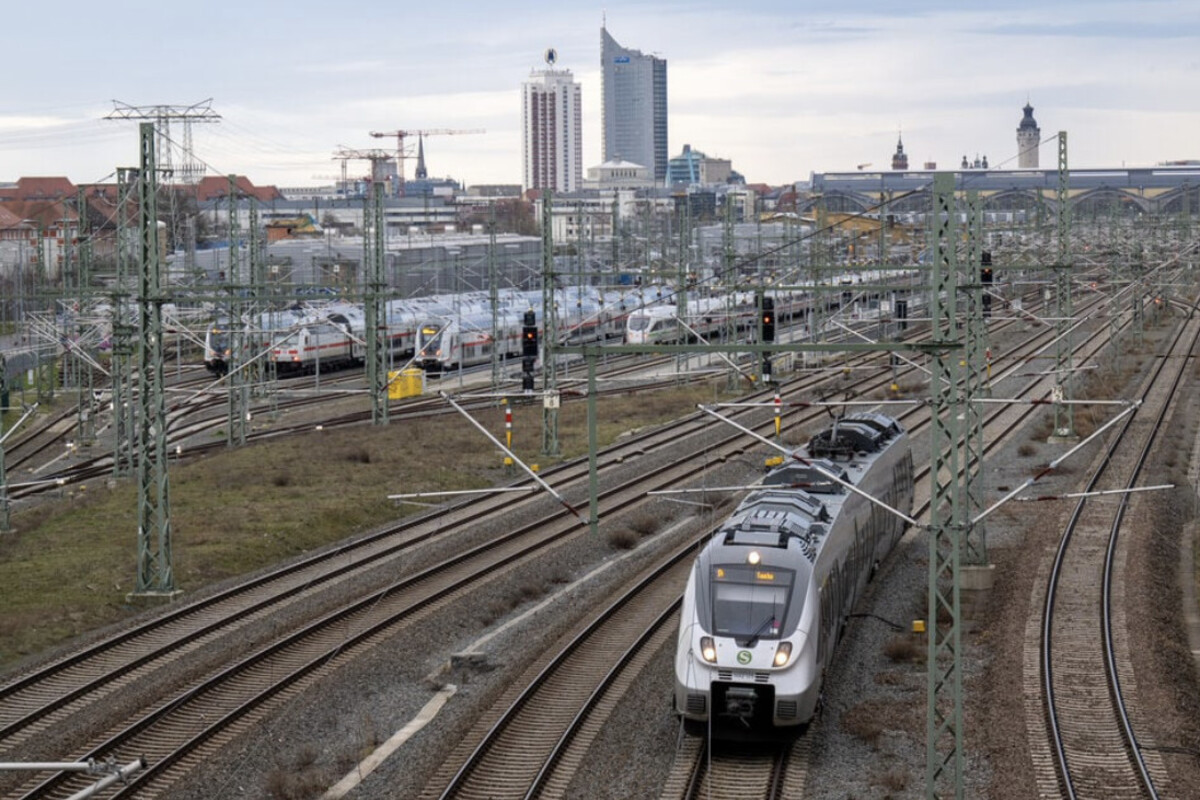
(769, 594)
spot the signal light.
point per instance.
(529, 335)
(768, 319)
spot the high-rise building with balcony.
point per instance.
(634, 106)
(552, 129)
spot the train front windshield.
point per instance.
(750, 602)
(431, 339)
(639, 323)
(218, 340)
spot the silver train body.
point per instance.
(328, 335)
(657, 322)
(706, 317)
(445, 341)
(770, 592)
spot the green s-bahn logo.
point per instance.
(744, 657)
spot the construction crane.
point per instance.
(378, 159)
(402, 135)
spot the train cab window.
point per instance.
(639, 323)
(750, 602)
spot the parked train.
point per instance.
(705, 317)
(770, 592)
(657, 323)
(447, 341)
(329, 335)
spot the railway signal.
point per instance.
(985, 278)
(529, 336)
(768, 319)
(529, 350)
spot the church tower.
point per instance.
(899, 158)
(1029, 135)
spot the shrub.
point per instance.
(645, 523)
(895, 780)
(904, 649)
(622, 538)
(860, 722)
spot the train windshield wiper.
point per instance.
(769, 621)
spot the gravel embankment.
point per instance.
(870, 739)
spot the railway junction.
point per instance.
(519, 644)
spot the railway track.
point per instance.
(306, 580)
(1086, 675)
(500, 760)
(31, 704)
(540, 739)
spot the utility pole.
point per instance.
(944, 721)
(550, 398)
(1064, 415)
(239, 400)
(376, 321)
(256, 371)
(975, 550)
(5, 522)
(87, 402)
(154, 574)
(494, 297)
(123, 333)
(374, 259)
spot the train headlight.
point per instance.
(753, 557)
(708, 649)
(782, 654)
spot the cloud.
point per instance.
(340, 67)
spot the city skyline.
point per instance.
(778, 90)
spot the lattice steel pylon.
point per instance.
(376, 318)
(374, 257)
(550, 398)
(239, 397)
(87, 401)
(256, 369)
(5, 520)
(123, 333)
(1064, 415)
(944, 722)
(974, 385)
(191, 169)
(154, 573)
(494, 298)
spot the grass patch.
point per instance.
(70, 564)
(904, 649)
(893, 780)
(861, 723)
(622, 538)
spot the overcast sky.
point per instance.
(782, 88)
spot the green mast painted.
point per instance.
(123, 333)
(550, 398)
(1064, 415)
(376, 322)
(154, 571)
(944, 722)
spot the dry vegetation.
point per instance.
(71, 563)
